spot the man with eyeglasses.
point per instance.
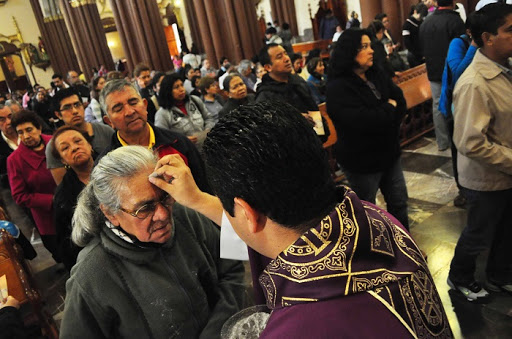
(67, 105)
(127, 114)
(8, 142)
(150, 268)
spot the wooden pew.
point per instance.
(418, 120)
(304, 47)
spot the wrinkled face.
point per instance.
(237, 88)
(144, 79)
(320, 68)
(58, 82)
(5, 121)
(71, 111)
(73, 77)
(365, 56)
(100, 85)
(501, 43)
(206, 64)
(157, 226)
(127, 111)
(29, 135)
(178, 90)
(74, 150)
(280, 61)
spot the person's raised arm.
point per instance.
(174, 177)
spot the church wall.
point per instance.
(27, 24)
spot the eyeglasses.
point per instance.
(149, 209)
(69, 107)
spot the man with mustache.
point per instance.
(127, 114)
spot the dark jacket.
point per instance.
(368, 127)
(5, 151)
(164, 139)
(295, 92)
(411, 35)
(231, 104)
(11, 324)
(380, 58)
(64, 203)
(179, 290)
(436, 33)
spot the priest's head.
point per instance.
(268, 168)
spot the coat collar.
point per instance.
(32, 158)
(485, 66)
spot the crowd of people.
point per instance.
(139, 178)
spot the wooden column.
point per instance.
(227, 28)
(142, 34)
(193, 25)
(369, 9)
(392, 9)
(56, 39)
(87, 35)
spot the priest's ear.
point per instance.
(254, 220)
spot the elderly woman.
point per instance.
(71, 146)
(317, 79)
(182, 113)
(32, 184)
(150, 268)
(367, 108)
(237, 92)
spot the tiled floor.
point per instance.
(435, 224)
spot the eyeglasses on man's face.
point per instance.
(69, 107)
(148, 210)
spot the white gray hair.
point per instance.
(114, 85)
(244, 64)
(107, 178)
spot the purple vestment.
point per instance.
(356, 274)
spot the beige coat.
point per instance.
(483, 126)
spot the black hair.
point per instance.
(165, 98)
(228, 79)
(268, 155)
(374, 27)
(271, 30)
(57, 76)
(155, 79)
(222, 60)
(488, 20)
(285, 26)
(194, 80)
(443, 3)
(342, 61)
(312, 63)
(295, 56)
(25, 116)
(61, 95)
(264, 56)
(381, 16)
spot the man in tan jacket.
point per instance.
(483, 116)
